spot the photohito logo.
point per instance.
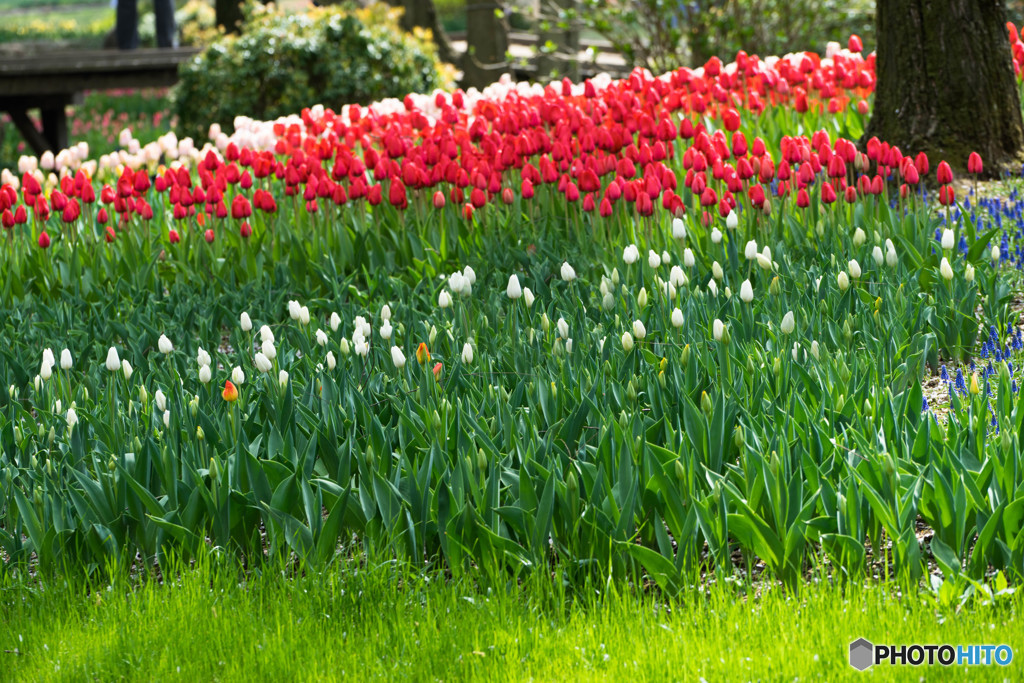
(864, 655)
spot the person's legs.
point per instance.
(127, 24)
(166, 31)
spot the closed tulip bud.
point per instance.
(854, 268)
(568, 273)
(788, 323)
(335, 321)
(513, 290)
(203, 357)
(746, 292)
(713, 287)
(563, 328)
(269, 350)
(545, 322)
(641, 298)
(126, 368)
(304, 315)
(717, 329)
(113, 362)
(639, 331)
(684, 356)
(444, 299)
(969, 272)
(45, 371)
(467, 353)
(948, 240)
(630, 254)
(677, 318)
(385, 330)
(627, 342)
(877, 255)
(945, 269)
(568, 345)
(777, 366)
(843, 281)
(859, 238)
(726, 336)
(528, 297)
(631, 391)
(266, 334)
(293, 309)
(344, 347)
(678, 229)
(72, 418)
(167, 418)
(815, 351)
(750, 251)
(65, 360)
(975, 388)
(164, 344)
(263, 363)
(732, 221)
(995, 254)
(840, 403)
(608, 301)
(688, 259)
(385, 312)
(705, 403)
(716, 235)
(680, 472)
(773, 287)
(397, 357)
(653, 260)
(205, 374)
(737, 437)
(282, 378)
(764, 259)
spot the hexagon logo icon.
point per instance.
(861, 654)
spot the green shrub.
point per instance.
(282, 63)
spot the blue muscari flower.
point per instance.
(992, 334)
(945, 373)
(962, 245)
(999, 355)
(1009, 366)
(938, 234)
(984, 350)
(973, 366)
(924, 404)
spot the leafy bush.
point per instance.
(281, 63)
(196, 22)
(665, 35)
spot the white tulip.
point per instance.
(608, 302)
(716, 269)
(202, 357)
(72, 418)
(653, 260)
(126, 368)
(45, 370)
(678, 229)
(513, 290)
(361, 347)
(321, 338)
(113, 362)
(335, 321)
(263, 364)
(995, 254)
(627, 342)
(568, 273)
(164, 344)
(717, 329)
(304, 315)
(282, 378)
(677, 318)
(945, 269)
(205, 375)
(891, 258)
(397, 357)
(65, 360)
(167, 418)
(815, 351)
(266, 334)
(877, 255)
(969, 272)
(237, 376)
(948, 239)
(630, 254)
(788, 323)
(160, 400)
(385, 312)
(467, 353)
(344, 346)
(385, 330)
(469, 274)
(293, 309)
(528, 297)
(713, 287)
(688, 259)
(57, 406)
(732, 221)
(639, 331)
(746, 292)
(568, 345)
(859, 238)
(563, 328)
(48, 357)
(332, 362)
(750, 251)
(677, 277)
(244, 322)
(665, 258)
(444, 299)
(641, 298)
(854, 269)
(716, 235)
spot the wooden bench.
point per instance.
(53, 80)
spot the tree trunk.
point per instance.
(229, 14)
(423, 14)
(486, 43)
(564, 61)
(945, 81)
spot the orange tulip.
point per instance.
(422, 353)
(437, 371)
(230, 393)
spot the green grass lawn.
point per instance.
(389, 623)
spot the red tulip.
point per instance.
(208, 236)
(439, 200)
(44, 240)
(974, 164)
(946, 195)
(240, 207)
(20, 215)
(944, 174)
(854, 44)
(245, 230)
(109, 234)
(173, 236)
(7, 219)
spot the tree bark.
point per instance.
(946, 84)
(486, 44)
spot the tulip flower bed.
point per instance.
(643, 330)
